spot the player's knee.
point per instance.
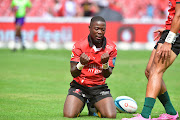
(147, 73)
(157, 70)
(69, 115)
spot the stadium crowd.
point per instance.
(137, 9)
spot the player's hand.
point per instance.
(104, 58)
(164, 52)
(84, 59)
(159, 31)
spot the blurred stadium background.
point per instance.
(56, 24)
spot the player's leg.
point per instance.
(101, 98)
(156, 72)
(75, 101)
(18, 35)
(18, 30)
(163, 94)
(164, 98)
(106, 107)
(163, 86)
(73, 106)
(155, 81)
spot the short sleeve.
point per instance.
(76, 53)
(112, 57)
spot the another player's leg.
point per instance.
(163, 86)
(155, 82)
(163, 94)
(164, 97)
(18, 37)
(73, 106)
(106, 108)
(139, 116)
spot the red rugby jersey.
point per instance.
(91, 74)
(172, 5)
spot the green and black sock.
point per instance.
(148, 106)
(165, 100)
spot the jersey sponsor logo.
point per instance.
(93, 68)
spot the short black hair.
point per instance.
(97, 18)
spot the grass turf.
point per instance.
(34, 84)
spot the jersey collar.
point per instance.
(91, 44)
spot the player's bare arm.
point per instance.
(164, 52)
(77, 67)
(107, 71)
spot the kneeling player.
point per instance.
(92, 61)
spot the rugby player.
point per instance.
(163, 55)
(19, 7)
(92, 61)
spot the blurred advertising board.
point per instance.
(57, 34)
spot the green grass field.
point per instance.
(34, 84)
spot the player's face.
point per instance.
(97, 31)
